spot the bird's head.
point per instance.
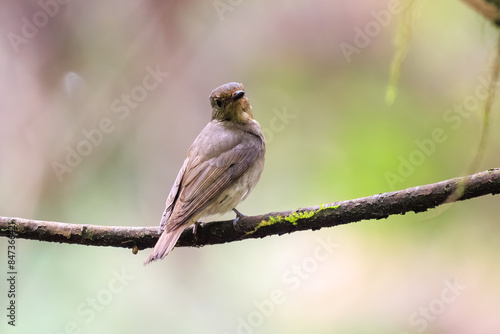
(229, 103)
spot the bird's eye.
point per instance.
(218, 102)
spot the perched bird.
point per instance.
(222, 166)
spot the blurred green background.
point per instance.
(331, 137)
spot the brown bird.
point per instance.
(222, 166)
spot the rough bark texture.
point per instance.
(379, 206)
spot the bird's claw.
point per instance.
(195, 227)
(239, 216)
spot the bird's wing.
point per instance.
(172, 197)
(205, 180)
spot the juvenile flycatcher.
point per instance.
(222, 167)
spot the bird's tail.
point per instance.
(164, 245)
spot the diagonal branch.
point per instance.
(379, 206)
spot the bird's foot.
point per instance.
(239, 216)
(195, 227)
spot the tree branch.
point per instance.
(379, 206)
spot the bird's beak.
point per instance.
(238, 95)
